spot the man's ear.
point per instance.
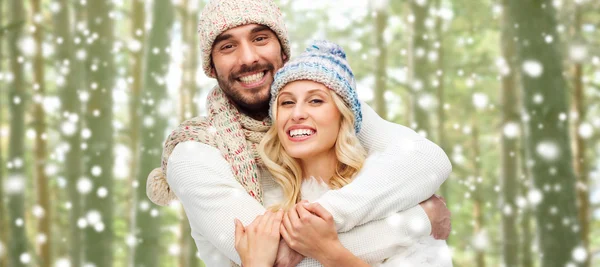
(284, 57)
(212, 71)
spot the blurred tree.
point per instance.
(157, 59)
(547, 137)
(98, 236)
(68, 65)
(580, 163)
(478, 201)
(3, 225)
(381, 18)
(16, 154)
(39, 124)
(138, 36)
(526, 241)
(419, 65)
(510, 119)
(441, 99)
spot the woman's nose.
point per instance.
(299, 113)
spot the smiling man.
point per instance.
(211, 163)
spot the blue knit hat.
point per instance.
(323, 62)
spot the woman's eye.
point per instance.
(316, 101)
(284, 103)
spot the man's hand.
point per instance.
(287, 257)
(439, 216)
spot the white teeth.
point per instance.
(252, 78)
(301, 132)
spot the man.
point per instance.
(212, 166)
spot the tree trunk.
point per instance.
(547, 139)
(527, 236)
(39, 124)
(419, 80)
(138, 32)
(381, 18)
(190, 20)
(152, 135)
(3, 225)
(508, 177)
(99, 119)
(441, 114)
(580, 163)
(71, 107)
(16, 155)
(477, 194)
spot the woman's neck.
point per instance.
(319, 166)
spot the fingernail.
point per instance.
(305, 204)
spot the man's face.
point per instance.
(245, 59)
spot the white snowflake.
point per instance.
(534, 196)
(25, 258)
(548, 150)
(480, 100)
(511, 130)
(38, 211)
(84, 185)
(93, 217)
(102, 192)
(15, 184)
(533, 68)
(86, 133)
(96, 170)
(174, 249)
(427, 101)
(585, 130)
(68, 128)
(579, 254)
(62, 262)
(578, 53)
(481, 241)
(82, 223)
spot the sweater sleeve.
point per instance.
(402, 169)
(211, 196)
(378, 240)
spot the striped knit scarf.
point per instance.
(235, 134)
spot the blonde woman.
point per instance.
(312, 148)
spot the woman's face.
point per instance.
(308, 121)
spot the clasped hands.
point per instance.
(284, 238)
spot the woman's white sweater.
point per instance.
(403, 169)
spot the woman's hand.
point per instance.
(309, 229)
(258, 242)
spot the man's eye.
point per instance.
(261, 38)
(225, 47)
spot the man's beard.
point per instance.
(256, 103)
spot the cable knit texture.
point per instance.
(219, 16)
(402, 169)
(233, 133)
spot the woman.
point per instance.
(311, 148)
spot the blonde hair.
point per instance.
(287, 171)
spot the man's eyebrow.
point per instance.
(222, 37)
(260, 28)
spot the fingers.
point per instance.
(292, 215)
(303, 214)
(318, 210)
(284, 233)
(277, 219)
(239, 231)
(286, 222)
(265, 222)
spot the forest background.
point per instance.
(510, 89)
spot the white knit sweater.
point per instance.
(402, 169)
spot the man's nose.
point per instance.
(248, 55)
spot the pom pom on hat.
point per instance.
(326, 47)
(157, 188)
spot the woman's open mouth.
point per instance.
(298, 135)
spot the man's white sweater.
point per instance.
(373, 214)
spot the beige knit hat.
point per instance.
(219, 16)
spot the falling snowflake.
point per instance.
(102, 192)
(511, 130)
(62, 262)
(534, 196)
(38, 211)
(84, 185)
(15, 184)
(579, 254)
(427, 101)
(82, 223)
(533, 68)
(578, 53)
(96, 171)
(585, 130)
(548, 150)
(480, 100)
